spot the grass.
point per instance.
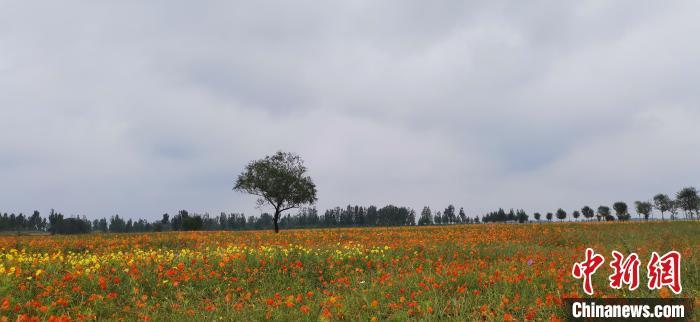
(464, 272)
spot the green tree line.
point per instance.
(684, 205)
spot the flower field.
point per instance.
(460, 272)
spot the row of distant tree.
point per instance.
(686, 204)
(686, 201)
(350, 216)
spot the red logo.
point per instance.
(662, 270)
(626, 271)
(665, 271)
(586, 269)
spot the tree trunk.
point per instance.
(275, 220)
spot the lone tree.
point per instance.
(280, 181)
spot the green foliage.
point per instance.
(502, 216)
(576, 214)
(663, 203)
(643, 208)
(462, 215)
(426, 217)
(438, 218)
(561, 214)
(587, 212)
(351, 216)
(688, 200)
(449, 216)
(66, 226)
(279, 180)
(117, 224)
(621, 210)
(522, 216)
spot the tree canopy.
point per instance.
(688, 200)
(643, 208)
(621, 210)
(279, 180)
(663, 203)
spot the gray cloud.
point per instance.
(141, 108)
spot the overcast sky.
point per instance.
(145, 107)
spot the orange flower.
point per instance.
(103, 283)
(326, 313)
(5, 304)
